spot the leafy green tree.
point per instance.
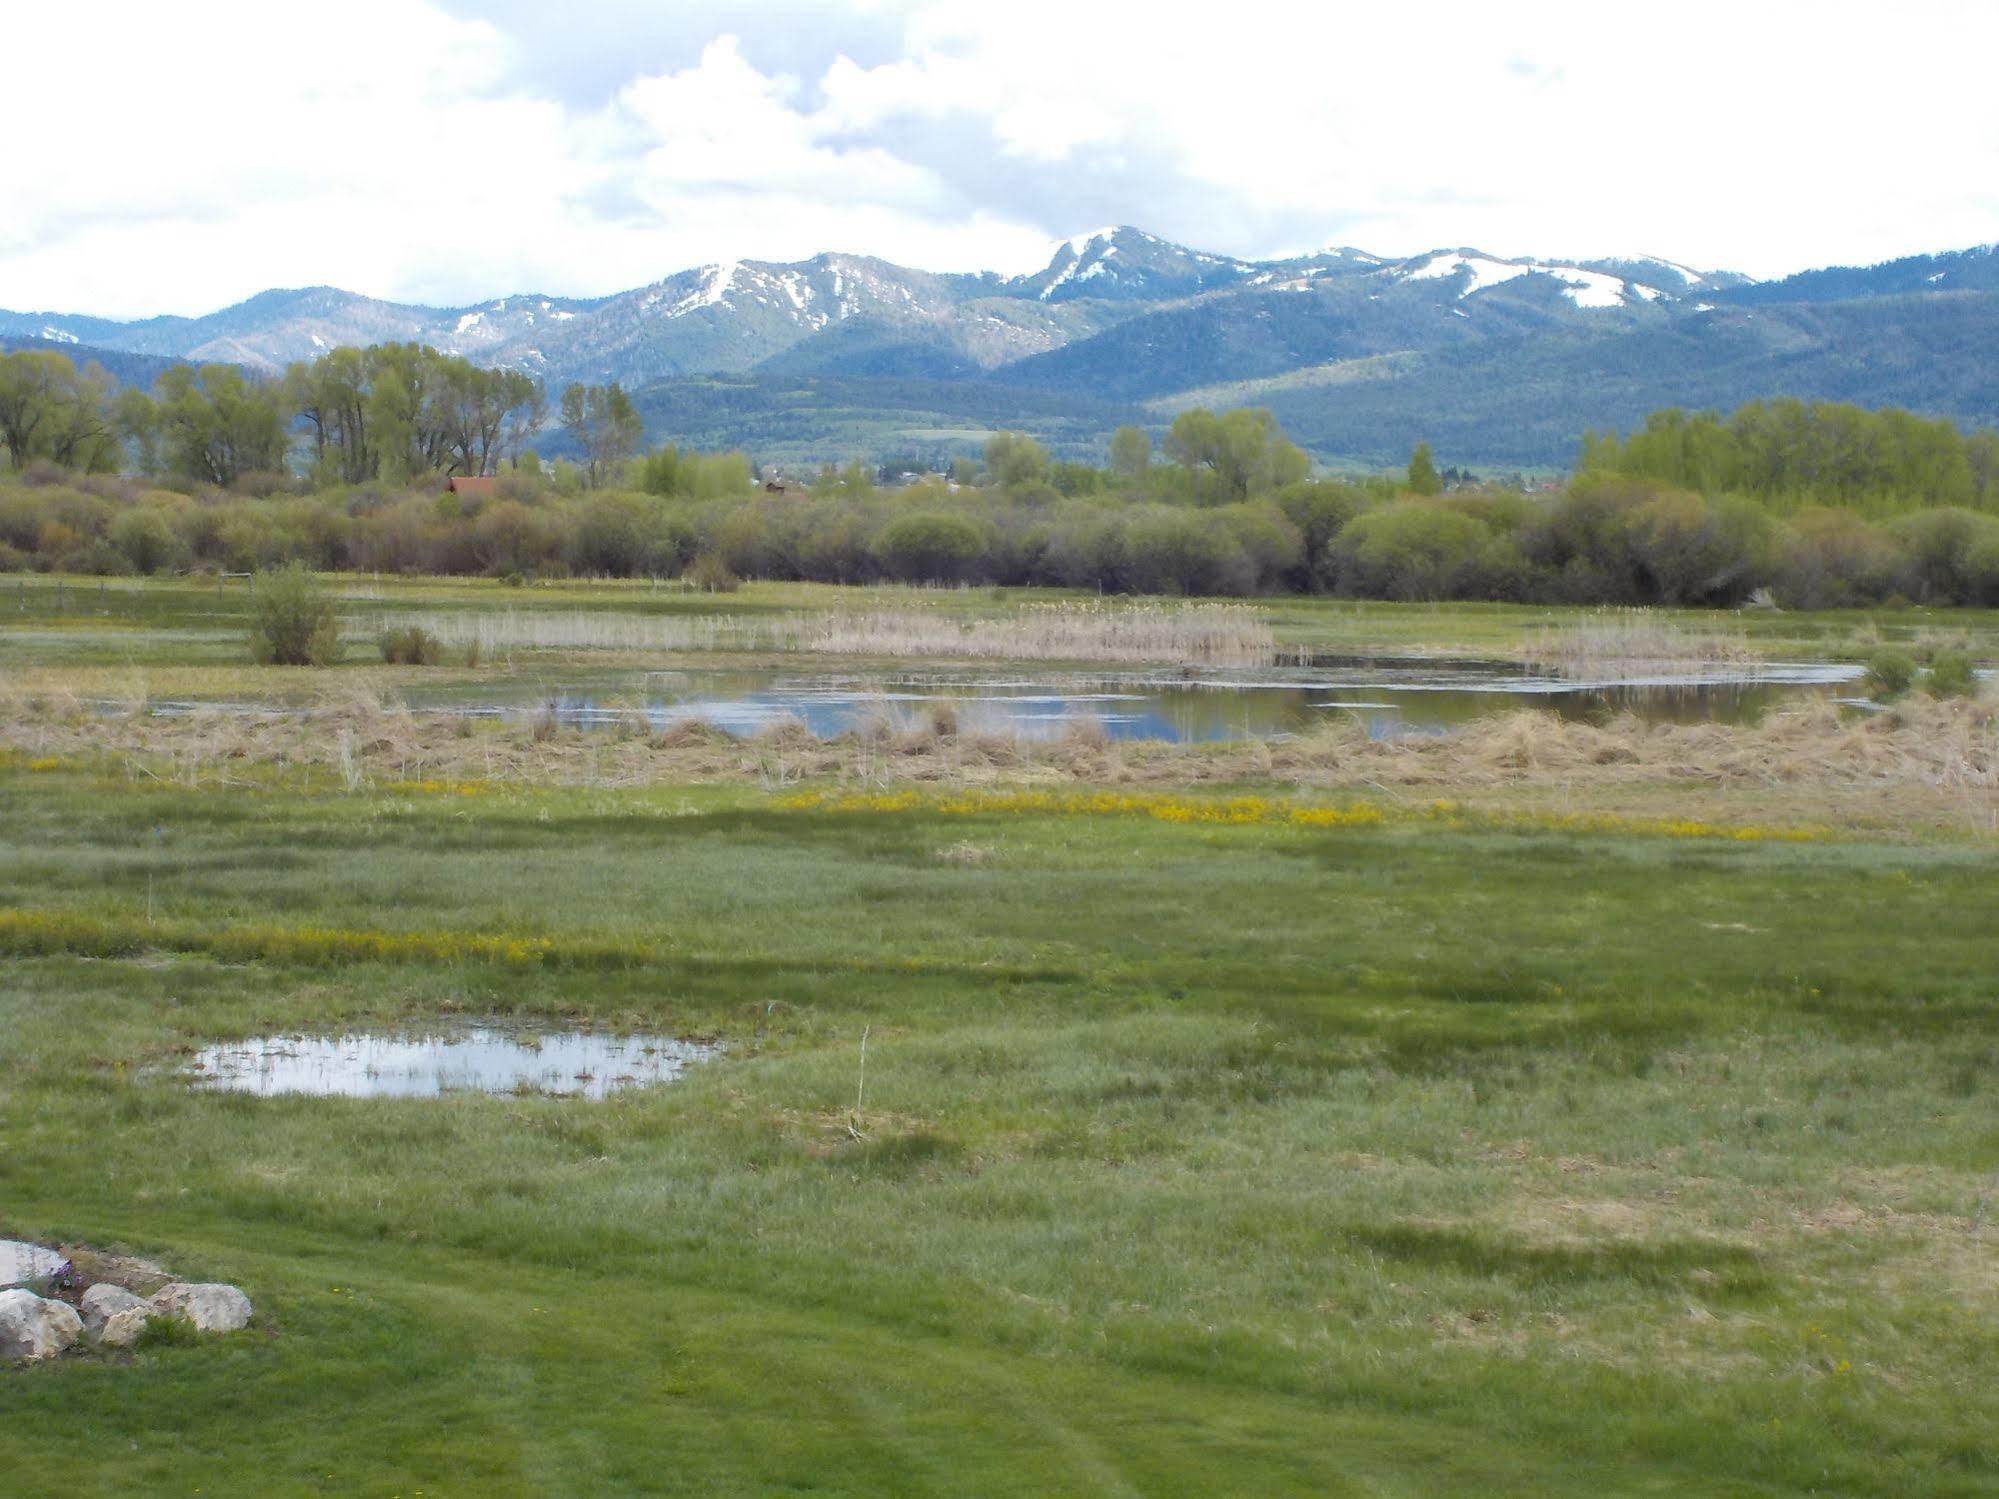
(1423, 477)
(1014, 459)
(51, 409)
(605, 425)
(1244, 451)
(660, 473)
(1131, 453)
(1074, 479)
(218, 424)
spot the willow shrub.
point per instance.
(293, 622)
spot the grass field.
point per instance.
(1324, 1143)
(155, 622)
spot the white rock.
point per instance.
(210, 1307)
(21, 1262)
(104, 1300)
(122, 1328)
(31, 1328)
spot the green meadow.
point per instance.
(1052, 1149)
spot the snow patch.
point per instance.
(1584, 288)
(720, 279)
(1484, 272)
(59, 335)
(1587, 288)
(469, 321)
(1079, 244)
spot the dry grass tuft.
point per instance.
(1141, 632)
(1624, 643)
(1928, 763)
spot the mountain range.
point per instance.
(1495, 361)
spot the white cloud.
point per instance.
(209, 150)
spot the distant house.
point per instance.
(478, 488)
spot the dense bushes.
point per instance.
(1605, 538)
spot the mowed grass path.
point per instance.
(1193, 1159)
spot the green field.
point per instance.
(151, 622)
(1200, 1148)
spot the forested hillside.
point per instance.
(1497, 362)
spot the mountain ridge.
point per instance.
(1120, 319)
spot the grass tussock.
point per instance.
(1619, 644)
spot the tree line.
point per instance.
(389, 412)
(1816, 506)
(1152, 527)
(1788, 454)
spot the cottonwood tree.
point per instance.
(1014, 459)
(51, 409)
(218, 424)
(605, 425)
(394, 411)
(1244, 450)
(1131, 452)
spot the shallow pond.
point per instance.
(578, 1064)
(1390, 699)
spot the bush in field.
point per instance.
(1413, 549)
(1890, 673)
(1833, 559)
(932, 547)
(711, 574)
(1953, 556)
(1686, 549)
(147, 541)
(1271, 543)
(412, 645)
(293, 623)
(1950, 675)
(1176, 550)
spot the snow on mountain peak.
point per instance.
(1079, 244)
(1585, 288)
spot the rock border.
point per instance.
(93, 1299)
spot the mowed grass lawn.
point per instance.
(1398, 1160)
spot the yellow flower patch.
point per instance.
(1264, 811)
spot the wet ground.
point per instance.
(1390, 699)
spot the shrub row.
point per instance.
(1606, 540)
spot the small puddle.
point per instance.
(571, 1064)
(22, 1262)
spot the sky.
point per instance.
(449, 151)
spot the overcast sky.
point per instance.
(188, 155)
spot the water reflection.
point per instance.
(573, 1064)
(1268, 704)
